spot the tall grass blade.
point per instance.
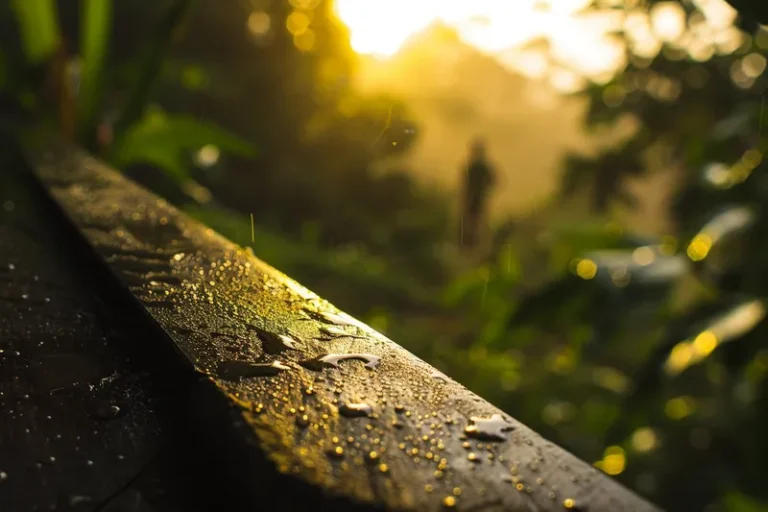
(38, 27)
(96, 22)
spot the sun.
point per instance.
(381, 27)
(579, 42)
(496, 27)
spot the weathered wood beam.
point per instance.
(319, 408)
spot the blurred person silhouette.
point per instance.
(477, 180)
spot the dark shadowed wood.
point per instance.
(306, 405)
(85, 422)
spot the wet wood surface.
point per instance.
(304, 405)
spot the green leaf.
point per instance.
(39, 28)
(738, 502)
(94, 42)
(195, 78)
(170, 162)
(164, 140)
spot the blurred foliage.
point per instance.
(645, 355)
(688, 310)
(70, 89)
(96, 20)
(38, 28)
(165, 141)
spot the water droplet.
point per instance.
(274, 343)
(338, 332)
(438, 376)
(288, 341)
(327, 317)
(302, 421)
(76, 499)
(353, 410)
(491, 429)
(11, 266)
(3, 476)
(341, 319)
(333, 360)
(107, 412)
(236, 370)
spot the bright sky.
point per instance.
(579, 41)
(382, 26)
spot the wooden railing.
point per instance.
(290, 402)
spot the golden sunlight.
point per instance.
(579, 41)
(381, 27)
(496, 27)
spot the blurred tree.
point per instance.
(69, 89)
(697, 102)
(327, 153)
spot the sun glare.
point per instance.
(495, 27)
(580, 45)
(381, 27)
